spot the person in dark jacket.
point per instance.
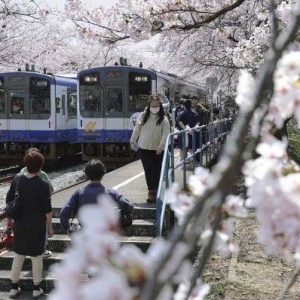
(44, 176)
(187, 118)
(204, 116)
(178, 110)
(94, 170)
(30, 228)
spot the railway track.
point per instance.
(6, 179)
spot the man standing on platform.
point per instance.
(204, 115)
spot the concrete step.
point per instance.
(26, 283)
(59, 242)
(48, 277)
(25, 295)
(139, 212)
(6, 259)
(138, 228)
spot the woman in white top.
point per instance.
(151, 132)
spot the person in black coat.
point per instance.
(30, 227)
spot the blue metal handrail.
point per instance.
(209, 139)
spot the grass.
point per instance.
(217, 291)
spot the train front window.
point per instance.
(17, 100)
(139, 90)
(39, 96)
(89, 97)
(113, 99)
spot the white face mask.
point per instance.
(154, 110)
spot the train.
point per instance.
(37, 110)
(92, 112)
(110, 99)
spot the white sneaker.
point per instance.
(47, 254)
(37, 293)
(13, 294)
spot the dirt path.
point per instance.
(251, 274)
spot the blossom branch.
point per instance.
(207, 249)
(226, 170)
(209, 19)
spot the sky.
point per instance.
(94, 3)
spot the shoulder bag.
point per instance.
(125, 219)
(13, 208)
(74, 226)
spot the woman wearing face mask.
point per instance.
(150, 132)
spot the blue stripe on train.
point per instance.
(67, 135)
(104, 136)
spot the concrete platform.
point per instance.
(129, 180)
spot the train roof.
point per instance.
(67, 75)
(153, 73)
(58, 78)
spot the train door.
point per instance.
(61, 113)
(3, 115)
(114, 111)
(18, 114)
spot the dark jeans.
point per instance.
(152, 167)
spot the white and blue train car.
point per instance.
(37, 110)
(110, 100)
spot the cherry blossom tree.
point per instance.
(17, 19)
(264, 45)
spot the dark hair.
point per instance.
(188, 104)
(161, 114)
(34, 161)
(153, 97)
(94, 169)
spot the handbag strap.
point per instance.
(17, 184)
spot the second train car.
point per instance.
(37, 110)
(110, 100)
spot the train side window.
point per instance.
(72, 104)
(39, 97)
(17, 102)
(58, 104)
(114, 99)
(2, 101)
(2, 96)
(63, 104)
